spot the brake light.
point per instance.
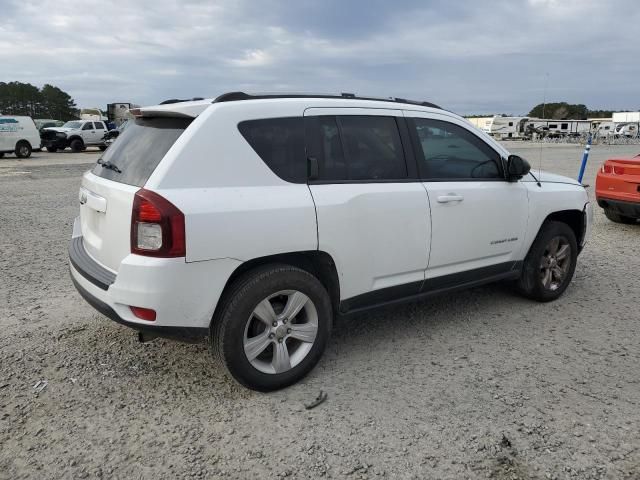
(157, 226)
(606, 168)
(144, 313)
(618, 170)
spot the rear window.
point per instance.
(137, 151)
(280, 144)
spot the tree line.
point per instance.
(18, 98)
(567, 111)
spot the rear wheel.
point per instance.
(23, 149)
(617, 218)
(76, 145)
(550, 263)
(1, 154)
(51, 149)
(272, 327)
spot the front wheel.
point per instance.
(272, 327)
(550, 263)
(23, 149)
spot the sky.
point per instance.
(471, 57)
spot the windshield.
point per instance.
(72, 125)
(139, 148)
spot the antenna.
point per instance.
(544, 106)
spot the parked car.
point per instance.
(618, 189)
(18, 135)
(252, 221)
(76, 134)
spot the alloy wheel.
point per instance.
(555, 263)
(280, 332)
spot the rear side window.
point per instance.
(373, 147)
(87, 126)
(138, 150)
(279, 142)
(357, 147)
(99, 125)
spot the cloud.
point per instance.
(469, 56)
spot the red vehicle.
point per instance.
(618, 189)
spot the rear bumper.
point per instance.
(184, 334)
(183, 295)
(628, 209)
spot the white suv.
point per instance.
(253, 220)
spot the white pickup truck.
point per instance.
(76, 134)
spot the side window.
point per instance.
(279, 142)
(87, 126)
(99, 125)
(452, 152)
(372, 147)
(332, 163)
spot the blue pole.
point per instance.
(585, 157)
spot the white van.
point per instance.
(18, 135)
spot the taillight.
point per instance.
(615, 169)
(157, 226)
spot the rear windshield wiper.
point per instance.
(109, 165)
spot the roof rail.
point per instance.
(235, 96)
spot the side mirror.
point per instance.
(517, 167)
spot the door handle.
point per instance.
(451, 197)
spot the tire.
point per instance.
(236, 323)
(23, 149)
(617, 218)
(51, 149)
(540, 279)
(1, 154)
(77, 145)
(102, 147)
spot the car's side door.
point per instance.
(88, 133)
(478, 217)
(100, 130)
(372, 210)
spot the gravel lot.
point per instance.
(480, 384)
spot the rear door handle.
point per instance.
(451, 197)
(92, 200)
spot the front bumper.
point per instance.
(627, 209)
(54, 140)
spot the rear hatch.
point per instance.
(108, 190)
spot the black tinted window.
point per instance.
(99, 125)
(280, 144)
(139, 148)
(372, 147)
(87, 126)
(451, 152)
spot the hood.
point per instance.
(548, 177)
(59, 129)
